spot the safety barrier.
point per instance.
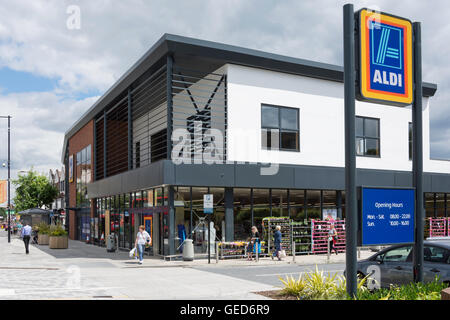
(320, 229)
(438, 227)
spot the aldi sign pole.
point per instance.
(418, 154)
(351, 219)
(387, 69)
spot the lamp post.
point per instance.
(9, 177)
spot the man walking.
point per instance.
(26, 235)
(277, 242)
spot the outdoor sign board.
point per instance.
(385, 60)
(208, 205)
(3, 192)
(387, 216)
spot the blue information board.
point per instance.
(387, 216)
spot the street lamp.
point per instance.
(9, 176)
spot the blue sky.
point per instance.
(12, 81)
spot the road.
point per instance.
(270, 275)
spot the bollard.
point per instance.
(328, 251)
(217, 252)
(293, 251)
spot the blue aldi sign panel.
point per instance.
(385, 59)
(387, 216)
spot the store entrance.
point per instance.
(144, 218)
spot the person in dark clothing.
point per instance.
(277, 242)
(26, 235)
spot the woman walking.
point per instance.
(142, 238)
(253, 243)
(332, 238)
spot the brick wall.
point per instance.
(80, 140)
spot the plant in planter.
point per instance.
(43, 230)
(58, 237)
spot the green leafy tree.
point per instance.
(33, 190)
(3, 212)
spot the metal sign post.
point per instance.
(350, 159)
(208, 208)
(386, 74)
(209, 240)
(418, 153)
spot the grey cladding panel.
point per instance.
(204, 175)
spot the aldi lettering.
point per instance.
(385, 68)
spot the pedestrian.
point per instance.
(332, 238)
(253, 244)
(277, 241)
(142, 238)
(26, 235)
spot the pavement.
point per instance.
(89, 272)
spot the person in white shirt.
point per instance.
(26, 235)
(142, 238)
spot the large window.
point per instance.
(279, 128)
(367, 137)
(83, 176)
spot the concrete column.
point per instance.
(229, 215)
(171, 205)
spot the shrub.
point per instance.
(293, 287)
(57, 231)
(317, 286)
(413, 291)
(43, 228)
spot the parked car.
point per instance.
(395, 263)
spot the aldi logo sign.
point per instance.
(385, 60)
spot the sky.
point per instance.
(54, 63)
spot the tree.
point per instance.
(33, 190)
(3, 212)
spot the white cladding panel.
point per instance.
(321, 112)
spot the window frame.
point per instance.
(280, 129)
(364, 137)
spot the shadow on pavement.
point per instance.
(78, 249)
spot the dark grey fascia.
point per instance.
(236, 175)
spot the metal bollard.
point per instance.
(257, 250)
(217, 252)
(293, 251)
(328, 251)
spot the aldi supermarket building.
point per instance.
(273, 126)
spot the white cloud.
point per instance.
(115, 34)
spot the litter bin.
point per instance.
(111, 243)
(188, 250)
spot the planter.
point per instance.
(60, 242)
(43, 239)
